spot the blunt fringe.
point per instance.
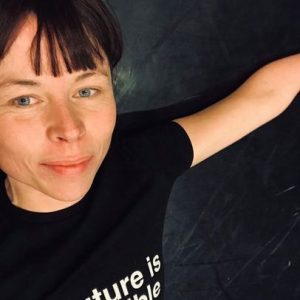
(79, 29)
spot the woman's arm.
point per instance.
(261, 98)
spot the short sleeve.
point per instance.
(162, 148)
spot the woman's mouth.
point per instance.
(66, 167)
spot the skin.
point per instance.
(53, 121)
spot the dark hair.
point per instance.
(81, 29)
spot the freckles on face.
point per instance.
(27, 139)
(67, 117)
(26, 144)
(17, 144)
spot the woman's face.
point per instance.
(54, 131)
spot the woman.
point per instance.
(82, 204)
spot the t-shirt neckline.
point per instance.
(9, 210)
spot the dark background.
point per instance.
(232, 224)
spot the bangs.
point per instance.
(80, 31)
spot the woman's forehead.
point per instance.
(19, 54)
(19, 57)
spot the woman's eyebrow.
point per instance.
(11, 81)
(25, 82)
(90, 74)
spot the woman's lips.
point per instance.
(68, 167)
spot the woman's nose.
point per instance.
(65, 123)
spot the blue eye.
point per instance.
(23, 101)
(85, 93)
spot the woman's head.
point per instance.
(57, 106)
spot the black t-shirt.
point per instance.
(108, 245)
